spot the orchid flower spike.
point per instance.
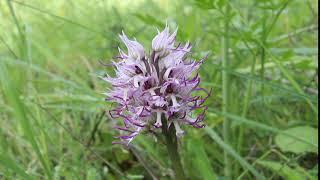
(151, 88)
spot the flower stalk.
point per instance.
(172, 148)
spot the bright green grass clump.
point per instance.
(262, 67)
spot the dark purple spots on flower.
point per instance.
(137, 70)
(157, 91)
(169, 89)
(153, 106)
(147, 85)
(164, 108)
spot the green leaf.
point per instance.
(205, 4)
(122, 155)
(289, 144)
(12, 165)
(233, 153)
(92, 174)
(150, 20)
(282, 170)
(200, 160)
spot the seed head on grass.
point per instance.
(148, 88)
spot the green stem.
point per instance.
(263, 55)
(225, 93)
(21, 34)
(245, 108)
(172, 147)
(243, 114)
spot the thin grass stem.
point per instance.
(226, 92)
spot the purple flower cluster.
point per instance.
(150, 88)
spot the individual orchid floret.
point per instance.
(156, 89)
(135, 49)
(164, 42)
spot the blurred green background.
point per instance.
(262, 120)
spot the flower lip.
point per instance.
(158, 102)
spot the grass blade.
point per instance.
(233, 153)
(20, 113)
(58, 17)
(226, 90)
(12, 165)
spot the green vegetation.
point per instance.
(262, 121)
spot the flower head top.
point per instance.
(151, 88)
